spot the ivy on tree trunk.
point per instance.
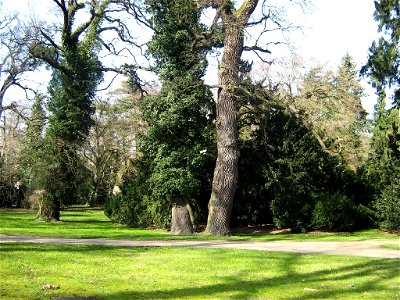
(76, 74)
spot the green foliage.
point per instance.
(173, 44)
(384, 56)
(330, 104)
(290, 156)
(300, 167)
(178, 131)
(252, 196)
(334, 212)
(75, 77)
(179, 128)
(387, 206)
(125, 210)
(382, 171)
(131, 206)
(32, 145)
(386, 134)
(282, 168)
(11, 195)
(59, 175)
(72, 92)
(305, 147)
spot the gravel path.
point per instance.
(352, 248)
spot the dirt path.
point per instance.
(353, 248)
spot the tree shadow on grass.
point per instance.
(349, 278)
(314, 287)
(89, 222)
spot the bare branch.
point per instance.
(256, 48)
(82, 27)
(37, 51)
(15, 60)
(51, 41)
(61, 5)
(14, 108)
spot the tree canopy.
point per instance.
(161, 147)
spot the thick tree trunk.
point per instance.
(226, 168)
(181, 218)
(49, 210)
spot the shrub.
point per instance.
(334, 212)
(292, 210)
(125, 210)
(134, 207)
(388, 207)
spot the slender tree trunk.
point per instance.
(181, 218)
(226, 168)
(4, 141)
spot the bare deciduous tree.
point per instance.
(15, 60)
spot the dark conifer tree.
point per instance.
(178, 116)
(383, 169)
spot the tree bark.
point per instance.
(226, 168)
(49, 210)
(181, 219)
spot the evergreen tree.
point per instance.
(172, 171)
(32, 145)
(383, 68)
(284, 170)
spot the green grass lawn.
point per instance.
(94, 224)
(93, 272)
(392, 246)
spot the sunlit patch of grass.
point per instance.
(362, 235)
(188, 273)
(392, 246)
(78, 224)
(94, 224)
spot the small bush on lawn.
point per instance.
(335, 212)
(127, 210)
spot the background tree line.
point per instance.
(301, 155)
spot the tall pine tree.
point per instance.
(383, 68)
